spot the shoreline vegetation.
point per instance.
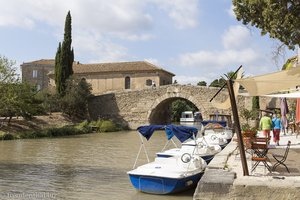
(54, 125)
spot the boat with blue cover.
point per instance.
(199, 147)
(172, 174)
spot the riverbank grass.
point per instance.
(84, 127)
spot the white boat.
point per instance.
(206, 152)
(221, 133)
(199, 147)
(168, 175)
(213, 139)
(187, 116)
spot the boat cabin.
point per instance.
(222, 119)
(187, 116)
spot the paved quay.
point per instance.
(223, 178)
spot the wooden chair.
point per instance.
(280, 159)
(258, 160)
(260, 150)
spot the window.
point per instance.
(34, 73)
(149, 82)
(127, 82)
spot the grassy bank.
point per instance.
(84, 127)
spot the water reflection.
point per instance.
(85, 167)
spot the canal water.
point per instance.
(91, 166)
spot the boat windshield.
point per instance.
(182, 133)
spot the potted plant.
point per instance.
(248, 132)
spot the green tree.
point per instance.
(7, 71)
(180, 106)
(64, 58)
(278, 18)
(16, 99)
(202, 83)
(255, 103)
(175, 82)
(75, 101)
(217, 83)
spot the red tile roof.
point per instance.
(79, 68)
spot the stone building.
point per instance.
(104, 77)
(36, 72)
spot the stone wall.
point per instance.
(152, 105)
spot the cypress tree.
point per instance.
(255, 103)
(64, 58)
(58, 69)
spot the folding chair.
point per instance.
(260, 151)
(258, 160)
(280, 159)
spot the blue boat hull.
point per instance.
(208, 158)
(223, 146)
(161, 185)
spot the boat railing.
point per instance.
(143, 146)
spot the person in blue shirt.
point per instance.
(276, 122)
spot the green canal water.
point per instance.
(84, 167)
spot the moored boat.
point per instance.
(187, 116)
(168, 175)
(199, 147)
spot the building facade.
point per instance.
(103, 77)
(36, 72)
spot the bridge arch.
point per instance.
(160, 111)
(140, 107)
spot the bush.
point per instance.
(51, 132)
(84, 126)
(108, 126)
(6, 136)
(64, 131)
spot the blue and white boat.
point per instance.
(213, 139)
(172, 174)
(198, 147)
(225, 133)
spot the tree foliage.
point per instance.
(17, 99)
(217, 83)
(180, 106)
(202, 83)
(64, 58)
(75, 101)
(281, 19)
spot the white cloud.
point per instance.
(97, 15)
(153, 61)
(231, 12)
(98, 49)
(236, 37)
(134, 37)
(96, 23)
(183, 12)
(193, 80)
(218, 59)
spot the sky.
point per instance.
(197, 40)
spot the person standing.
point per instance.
(265, 124)
(276, 123)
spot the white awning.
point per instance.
(271, 83)
(286, 95)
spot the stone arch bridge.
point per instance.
(152, 105)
